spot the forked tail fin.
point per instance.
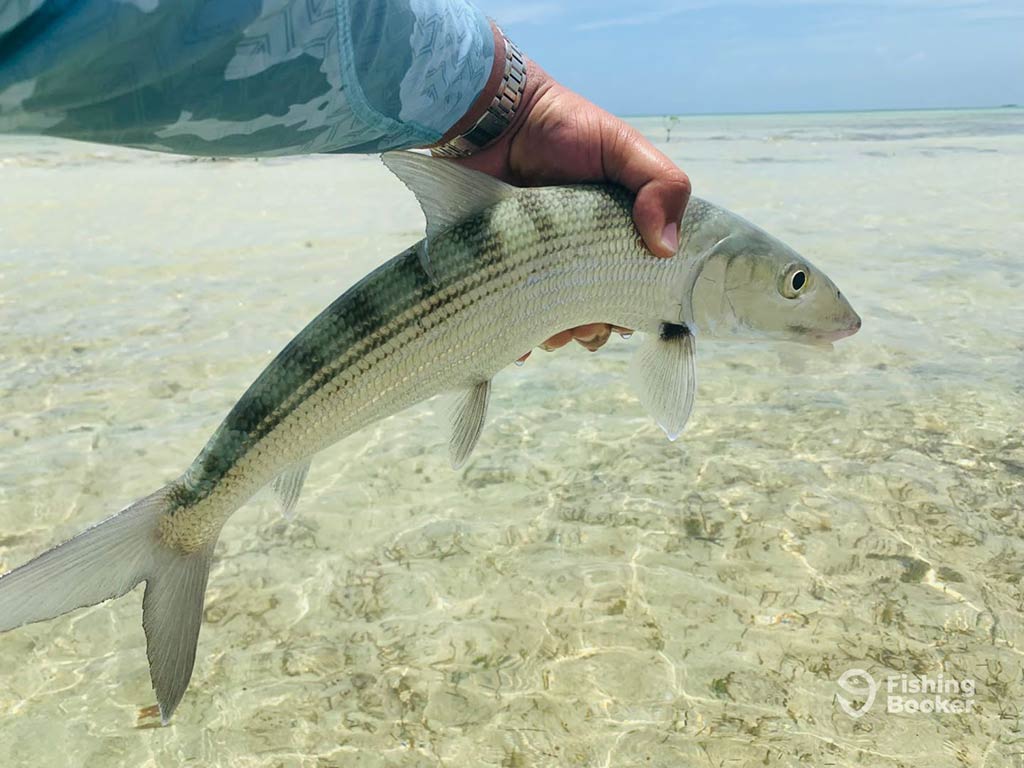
(107, 561)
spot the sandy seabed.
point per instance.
(583, 593)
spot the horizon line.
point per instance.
(823, 111)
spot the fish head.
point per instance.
(752, 286)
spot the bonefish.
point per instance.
(500, 270)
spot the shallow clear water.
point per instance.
(583, 592)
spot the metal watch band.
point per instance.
(498, 115)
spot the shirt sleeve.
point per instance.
(242, 77)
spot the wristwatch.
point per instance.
(499, 114)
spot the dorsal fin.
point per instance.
(448, 193)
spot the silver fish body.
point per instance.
(500, 270)
(498, 285)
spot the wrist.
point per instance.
(538, 84)
(495, 108)
(483, 101)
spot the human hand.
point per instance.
(556, 137)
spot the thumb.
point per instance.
(662, 190)
(657, 212)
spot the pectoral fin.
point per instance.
(664, 372)
(288, 486)
(468, 414)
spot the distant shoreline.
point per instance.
(999, 108)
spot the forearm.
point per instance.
(448, 54)
(226, 78)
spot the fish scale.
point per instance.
(499, 272)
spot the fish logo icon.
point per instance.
(862, 689)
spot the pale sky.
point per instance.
(693, 56)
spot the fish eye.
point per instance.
(794, 281)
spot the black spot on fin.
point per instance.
(670, 331)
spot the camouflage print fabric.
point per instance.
(241, 77)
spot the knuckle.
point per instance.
(685, 186)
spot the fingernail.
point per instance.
(546, 348)
(520, 363)
(626, 335)
(670, 236)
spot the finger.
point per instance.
(592, 336)
(658, 212)
(558, 340)
(588, 331)
(662, 190)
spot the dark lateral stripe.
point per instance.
(387, 303)
(482, 258)
(353, 326)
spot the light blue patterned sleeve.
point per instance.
(242, 77)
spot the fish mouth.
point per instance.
(829, 336)
(816, 338)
